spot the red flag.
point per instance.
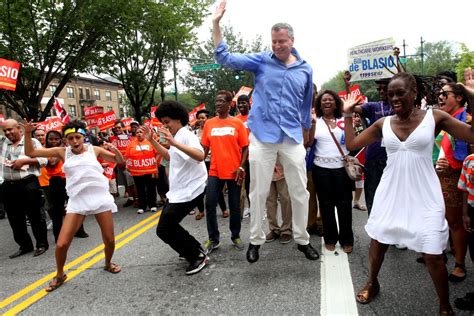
(192, 114)
(61, 111)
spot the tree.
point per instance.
(51, 39)
(138, 57)
(466, 59)
(204, 85)
(438, 56)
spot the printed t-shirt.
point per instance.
(244, 119)
(466, 180)
(141, 158)
(225, 138)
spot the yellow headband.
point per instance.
(74, 130)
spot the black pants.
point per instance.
(146, 191)
(58, 196)
(2, 209)
(162, 183)
(22, 198)
(334, 190)
(172, 233)
(373, 174)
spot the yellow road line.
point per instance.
(73, 263)
(34, 298)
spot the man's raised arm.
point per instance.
(216, 19)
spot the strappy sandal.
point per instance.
(113, 268)
(55, 283)
(360, 207)
(455, 278)
(368, 293)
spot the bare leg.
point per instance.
(107, 229)
(459, 236)
(71, 225)
(439, 275)
(358, 193)
(376, 256)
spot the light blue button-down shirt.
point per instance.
(282, 97)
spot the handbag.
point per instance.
(352, 165)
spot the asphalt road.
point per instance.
(152, 280)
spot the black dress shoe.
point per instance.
(21, 252)
(466, 302)
(309, 251)
(81, 234)
(39, 251)
(252, 253)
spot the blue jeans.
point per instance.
(214, 187)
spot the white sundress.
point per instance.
(408, 205)
(86, 186)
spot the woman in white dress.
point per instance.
(87, 188)
(408, 206)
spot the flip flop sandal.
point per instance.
(113, 268)
(360, 207)
(56, 283)
(368, 293)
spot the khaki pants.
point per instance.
(279, 189)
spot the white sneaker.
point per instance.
(153, 209)
(140, 211)
(401, 246)
(50, 225)
(246, 212)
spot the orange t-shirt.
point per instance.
(56, 170)
(121, 142)
(225, 138)
(141, 158)
(43, 178)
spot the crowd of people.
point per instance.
(418, 178)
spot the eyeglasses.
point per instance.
(445, 94)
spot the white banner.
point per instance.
(370, 61)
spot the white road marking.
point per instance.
(337, 291)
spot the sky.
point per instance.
(325, 30)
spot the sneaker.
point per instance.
(271, 236)
(140, 211)
(238, 244)
(210, 245)
(192, 212)
(128, 203)
(153, 209)
(284, 239)
(246, 212)
(197, 265)
(49, 226)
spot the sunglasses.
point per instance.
(381, 89)
(445, 94)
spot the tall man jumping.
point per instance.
(279, 120)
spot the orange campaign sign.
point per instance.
(8, 74)
(106, 120)
(242, 91)
(126, 122)
(355, 91)
(92, 114)
(154, 121)
(52, 123)
(192, 114)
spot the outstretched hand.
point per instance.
(28, 126)
(146, 132)
(469, 78)
(351, 102)
(219, 13)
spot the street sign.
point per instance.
(403, 60)
(205, 67)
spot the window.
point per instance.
(96, 94)
(72, 110)
(82, 110)
(109, 108)
(108, 95)
(53, 89)
(70, 92)
(88, 94)
(81, 94)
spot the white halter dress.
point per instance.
(86, 186)
(408, 205)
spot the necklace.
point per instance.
(407, 118)
(329, 119)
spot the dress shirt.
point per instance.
(9, 153)
(282, 96)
